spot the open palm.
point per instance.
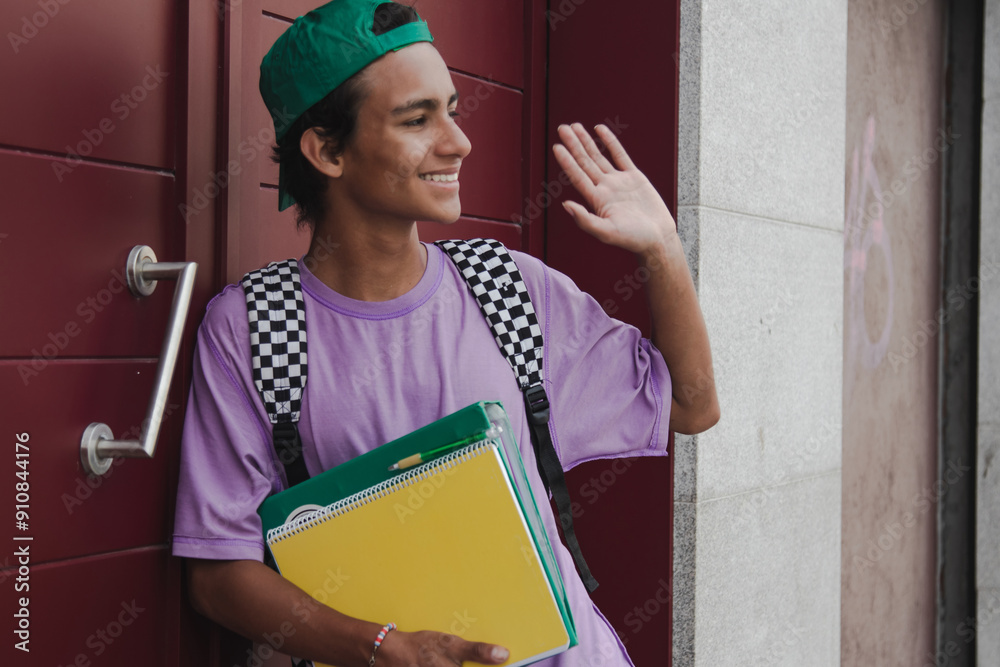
(625, 210)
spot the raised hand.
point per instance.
(625, 210)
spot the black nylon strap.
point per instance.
(536, 404)
(496, 283)
(279, 352)
(288, 446)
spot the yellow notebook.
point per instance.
(442, 547)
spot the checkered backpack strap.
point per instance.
(277, 317)
(496, 283)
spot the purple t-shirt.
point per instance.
(378, 370)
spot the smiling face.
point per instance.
(403, 162)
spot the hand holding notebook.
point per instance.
(428, 644)
(455, 545)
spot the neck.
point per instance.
(366, 264)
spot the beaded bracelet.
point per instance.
(378, 640)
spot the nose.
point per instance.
(453, 140)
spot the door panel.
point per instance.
(482, 37)
(76, 514)
(491, 116)
(98, 77)
(487, 38)
(102, 610)
(67, 253)
(627, 505)
(89, 174)
(275, 238)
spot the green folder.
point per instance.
(372, 468)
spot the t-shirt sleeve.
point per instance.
(227, 468)
(609, 387)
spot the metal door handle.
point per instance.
(98, 446)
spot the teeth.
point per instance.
(439, 178)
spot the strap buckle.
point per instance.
(537, 402)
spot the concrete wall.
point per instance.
(988, 501)
(894, 149)
(761, 211)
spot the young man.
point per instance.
(396, 340)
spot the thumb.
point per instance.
(587, 221)
(483, 653)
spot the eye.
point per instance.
(416, 122)
(454, 113)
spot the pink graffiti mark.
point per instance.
(864, 228)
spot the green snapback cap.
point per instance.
(320, 51)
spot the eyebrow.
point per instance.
(426, 103)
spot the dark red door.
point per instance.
(94, 155)
(131, 123)
(617, 64)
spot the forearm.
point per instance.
(253, 600)
(680, 334)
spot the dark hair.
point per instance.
(333, 118)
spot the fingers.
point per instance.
(573, 139)
(591, 148)
(486, 654)
(618, 154)
(438, 649)
(577, 176)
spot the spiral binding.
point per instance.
(380, 490)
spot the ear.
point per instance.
(317, 150)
